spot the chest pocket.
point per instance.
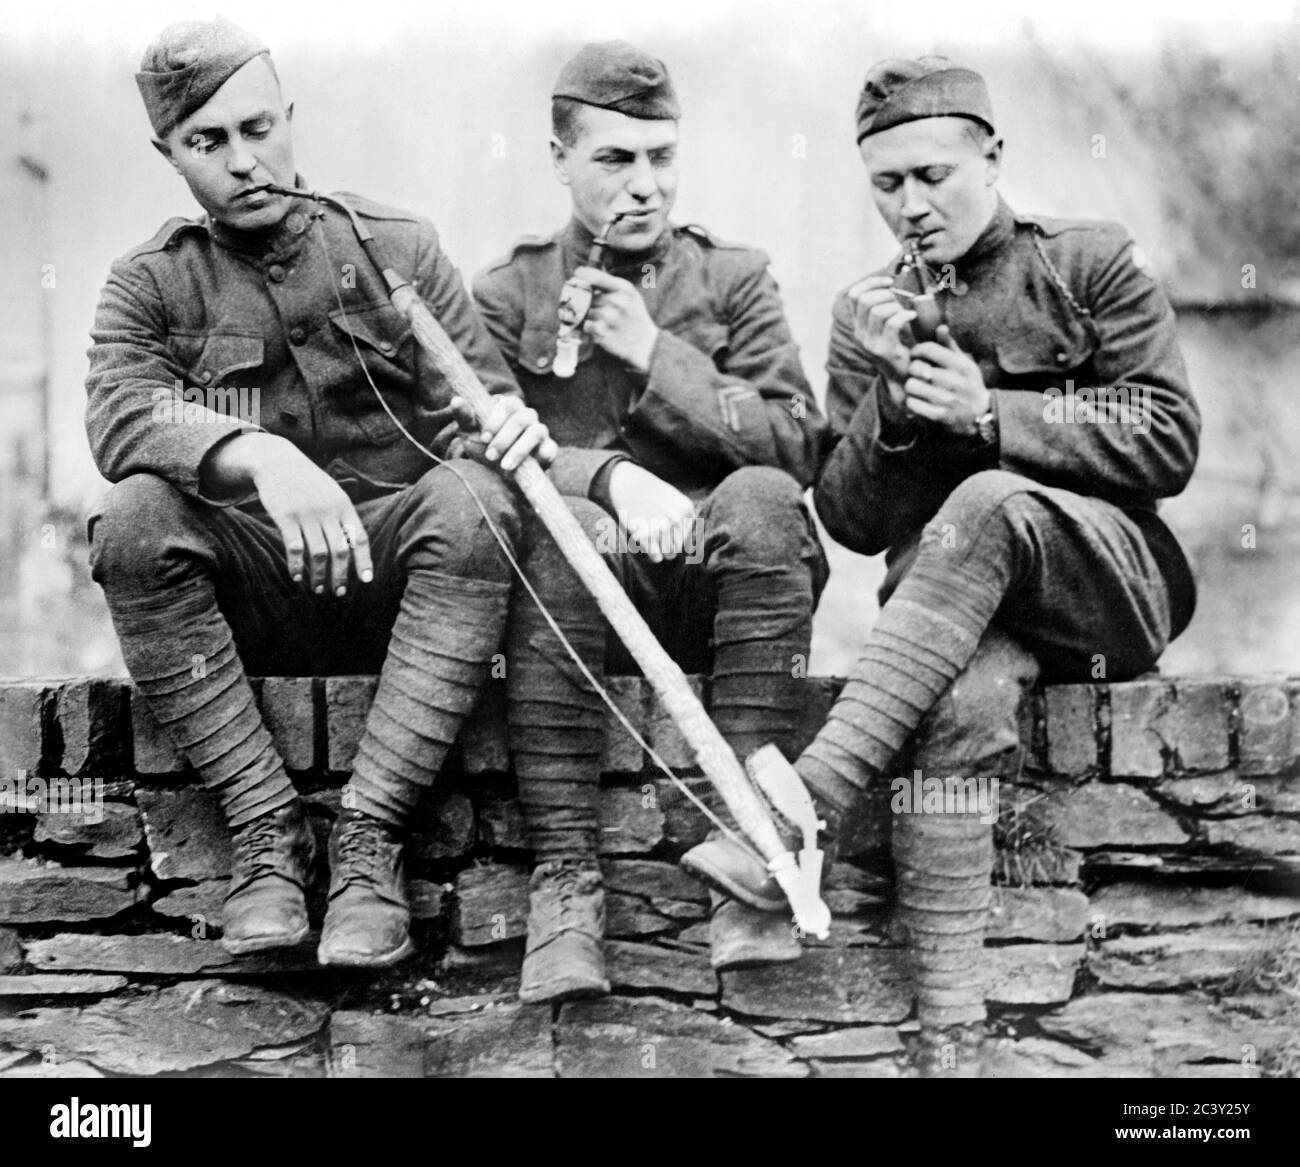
(537, 349)
(213, 358)
(383, 337)
(1043, 358)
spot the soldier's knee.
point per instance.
(760, 509)
(463, 512)
(978, 716)
(138, 521)
(989, 494)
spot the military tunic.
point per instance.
(1039, 304)
(725, 388)
(202, 307)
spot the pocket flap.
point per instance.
(378, 326)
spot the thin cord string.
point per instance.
(519, 571)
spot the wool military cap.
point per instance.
(616, 75)
(187, 64)
(898, 91)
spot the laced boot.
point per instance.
(564, 956)
(368, 921)
(265, 907)
(743, 937)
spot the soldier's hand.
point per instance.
(510, 433)
(656, 515)
(945, 386)
(878, 322)
(619, 321)
(323, 537)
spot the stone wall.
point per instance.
(1147, 908)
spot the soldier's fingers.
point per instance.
(294, 555)
(924, 409)
(601, 279)
(340, 558)
(942, 355)
(936, 395)
(508, 433)
(317, 554)
(526, 444)
(547, 452)
(359, 541)
(868, 284)
(891, 330)
(463, 412)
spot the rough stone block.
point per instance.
(631, 822)
(92, 721)
(648, 1038)
(35, 894)
(289, 711)
(1032, 974)
(186, 832)
(662, 732)
(1174, 905)
(347, 704)
(152, 748)
(1268, 725)
(632, 918)
(43, 985)
(1135, 744)
(623, 754)
(1111, 814)
(1047, 913)
(500, 814)
(11, 952)
(859, 1041)
(160, 954)
(1174, 960)
(189, 1024)
(842, 985)
(491, 904)
(508, 1041)
(665, 970)
(1071, 729)
(442, 826)
(111, 831)
(368, 1045)
(1267, 834)
(26, 725)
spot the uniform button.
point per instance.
(542, 362)
(296, 222)
(297, 334)
(386, 347)
(205, 376)
(276, 272)
(1062, 358)
(289, 419)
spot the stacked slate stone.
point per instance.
(1146, 908)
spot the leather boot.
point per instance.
(564, 957)
(265, 907)
(741, 937)
(368, 921)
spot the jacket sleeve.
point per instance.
(871, 494)
(758, 409)
(1150, 454)
(443, 292)
(574, 470)
(136, 419)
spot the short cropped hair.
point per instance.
(566, 120)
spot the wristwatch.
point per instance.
(986, 428)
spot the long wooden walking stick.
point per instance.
(715, 757)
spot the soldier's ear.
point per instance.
(166, 151)
(993, 160)
(560, 161)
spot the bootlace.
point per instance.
(362, 848)
(255, 846)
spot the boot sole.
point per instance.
(569, 993)
(716, 879)
(265, 943)
(383, 960)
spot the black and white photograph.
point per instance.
(702, 540)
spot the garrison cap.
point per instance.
(898, 91)
(187, 64)
(616, 75)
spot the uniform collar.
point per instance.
(577, 240)
(273, 243)
(995, 236)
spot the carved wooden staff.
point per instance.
(714, 756)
